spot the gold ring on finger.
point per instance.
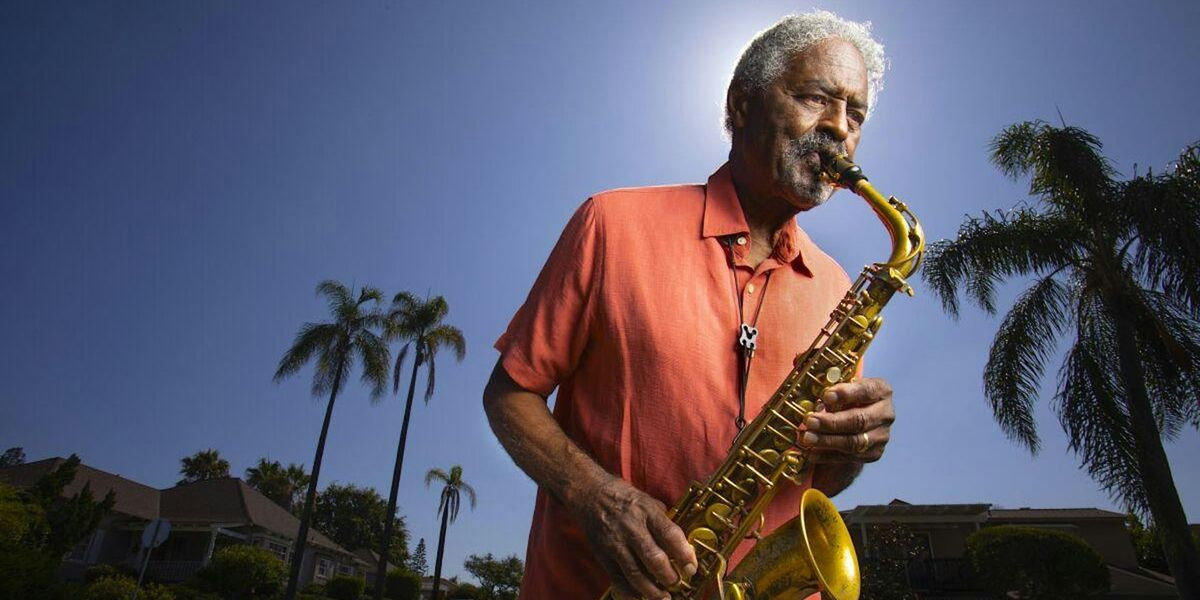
(865, 443)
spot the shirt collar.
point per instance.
(723, 216)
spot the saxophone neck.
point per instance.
(908, 239)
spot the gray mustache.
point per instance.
(816, 141)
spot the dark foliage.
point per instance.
(402, 584)
(344, 588)
(499, 578)
(1040, 564)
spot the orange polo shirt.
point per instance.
(634, 319)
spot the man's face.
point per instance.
(817, 106)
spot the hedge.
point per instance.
(1038, 563)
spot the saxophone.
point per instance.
(813, 551)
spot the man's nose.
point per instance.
(835, 121)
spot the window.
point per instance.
(324, 567)
(280, 550)
(344, 569)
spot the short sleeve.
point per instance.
(543, 343)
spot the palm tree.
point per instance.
(297, 479)
(281, 485)
(203, 465)
(419, 324)
(452, 487)
(1117, 267)
(336, 345)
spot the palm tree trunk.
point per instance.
(1165, 507)
(385, 543)
(437, 565)
(311, 499)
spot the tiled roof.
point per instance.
(230, 500)
(1051, 514)
(132, 498)
(898, 509)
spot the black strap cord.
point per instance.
(747, 334)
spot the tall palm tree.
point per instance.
(419, 324)
(336, 345)
(203, 465)
(1117, 268)
(452, 488)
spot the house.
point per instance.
(941, 569)
(204, 516)
(369, 564)
(445, 588)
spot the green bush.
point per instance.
(243, 572)
(103, 571)
(403, 584)
(122, 588)
(467, 591)
(313, 589)
(1038, 563)
(187, 592)
(345, 588)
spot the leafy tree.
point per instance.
(417, 562)
(403, 584)
(1039, 564)
(1117, 267)
(12, 457)
(243, 571)
(419, 324)
(466, 591)
(499, 579)
(39, 525)
(65, 521)
(202, 466)
(284, 486)
(453, 487)
(885, 572)
(353, 517)
(336, 346)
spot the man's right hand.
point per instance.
(633, 539)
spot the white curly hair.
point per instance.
(768, 54)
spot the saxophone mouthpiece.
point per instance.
(839, 170)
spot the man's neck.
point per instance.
(765, 215)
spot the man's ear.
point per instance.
(737, 106)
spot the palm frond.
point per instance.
(1164, 214)
(376, 358)
(436, 474)
(1169, 346)
(990, 247)
(430, 377)
(1022, 346)
(447, 336)
(312, 338)
(1090, 407)
(396, 371)
(1065, 165)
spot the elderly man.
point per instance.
(635, 319)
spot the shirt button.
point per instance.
(741, 240)
(749, 288)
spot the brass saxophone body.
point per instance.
(812, 552)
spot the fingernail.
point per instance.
(808, 439)
(829, 398)
(812, 423)
(688, 571)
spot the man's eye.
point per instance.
(814, 99)
(857, 117)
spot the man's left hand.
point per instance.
(855, 425)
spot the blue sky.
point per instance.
(176, 178)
